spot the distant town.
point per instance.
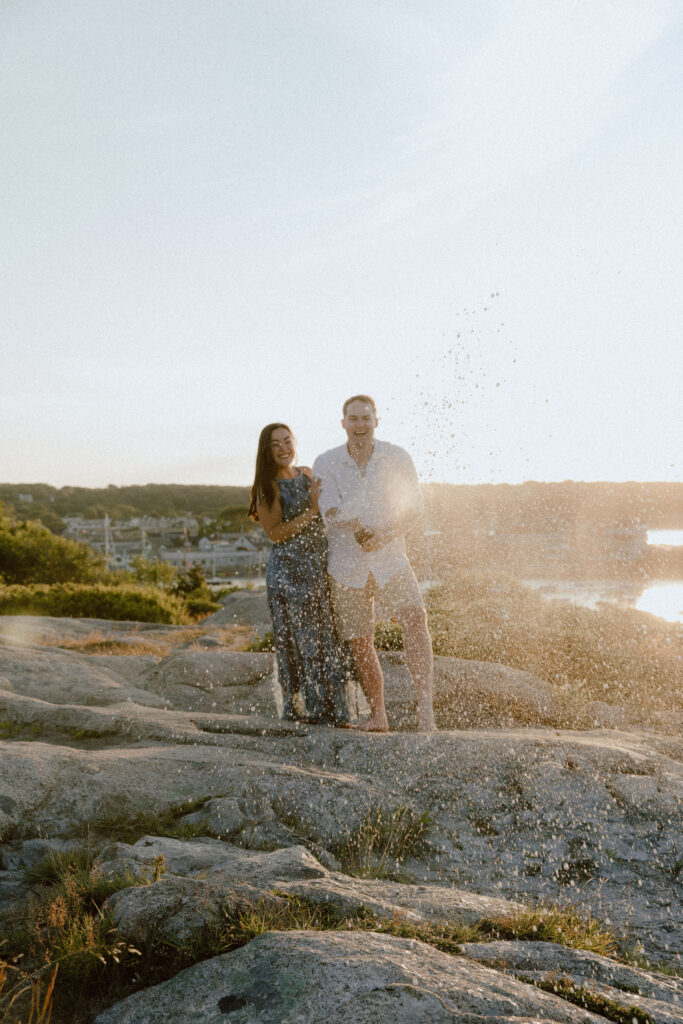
(172, 539)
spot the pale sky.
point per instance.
(219, 213)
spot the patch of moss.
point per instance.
(593, 1001)
(10, 730)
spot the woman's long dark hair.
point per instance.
(262, 490)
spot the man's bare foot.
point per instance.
(425, 722)
(374, 724)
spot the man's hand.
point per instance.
(332, 517)
(377, 541)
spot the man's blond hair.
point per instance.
(365, 399)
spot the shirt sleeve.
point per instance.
(329, 496)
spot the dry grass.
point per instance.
(66, 939)
(136, 642)
(616, 655)
(33, 995)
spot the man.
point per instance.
(370, 498)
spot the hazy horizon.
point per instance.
(425, 482)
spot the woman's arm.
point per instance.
(271, 518)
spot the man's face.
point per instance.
(359, 423)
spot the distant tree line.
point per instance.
(49, 504)
(521, 507)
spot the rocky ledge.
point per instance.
(521, 810)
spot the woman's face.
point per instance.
(282, 447)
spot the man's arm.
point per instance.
(406, 507)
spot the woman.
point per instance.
(312, 667)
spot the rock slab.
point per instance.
(339, 978)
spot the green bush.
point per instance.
(191, 587)
(190, 581)
(388, 636)
(97, 601)
(198, 607)
(262, 643)
(144, 570)
(30, 553)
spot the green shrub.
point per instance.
(264, 643)
(144, 570)
(388, 636)
(191, 581)
(229, 588)
(97, 601)
(191, 587)
(30, 553)
(198, 607)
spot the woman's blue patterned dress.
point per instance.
(310, 659)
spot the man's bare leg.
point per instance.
(372, 683)
(420, 662)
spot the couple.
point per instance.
(356, 503)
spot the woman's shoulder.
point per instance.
(306, 471)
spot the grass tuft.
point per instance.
(382, 843)
(552, 923)
(10, 729)
(68, 928)
(262, 643)
(388, 636)
(546, 923)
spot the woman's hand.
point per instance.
(316, 488)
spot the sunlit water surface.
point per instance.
(663, 598)
(670, 538)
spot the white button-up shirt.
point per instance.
(380, 498)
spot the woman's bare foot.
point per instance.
(376, 723)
